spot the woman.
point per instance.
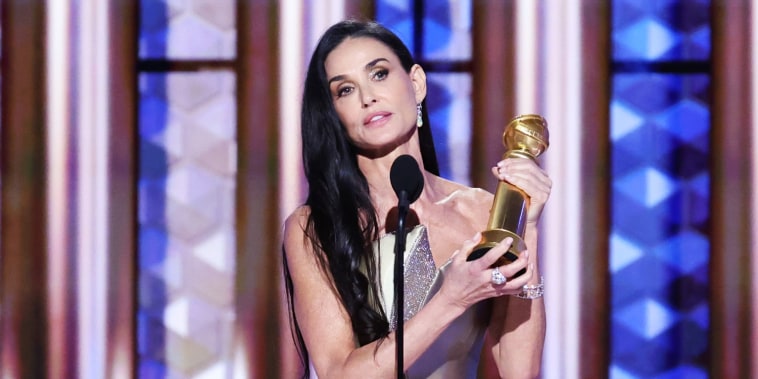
(362, 108)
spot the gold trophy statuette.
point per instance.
(526, 136)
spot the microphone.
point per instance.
(406, 179)
(408, 182)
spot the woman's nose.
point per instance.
(367, 100)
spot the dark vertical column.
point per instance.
(594, 341)
(120, 358)
(259, 279)
(23, 243)
(731, 355)
(493, 102)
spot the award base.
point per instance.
(490, 238)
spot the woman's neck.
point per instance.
(377, 173)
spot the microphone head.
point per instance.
(405, 175)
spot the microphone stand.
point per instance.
(399, 277)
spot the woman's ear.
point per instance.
(418, 78)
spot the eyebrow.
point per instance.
(368, 67)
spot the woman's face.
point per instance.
(374, 96)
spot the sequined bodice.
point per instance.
(455, 353)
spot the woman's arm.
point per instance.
(517, 327)
(326, 327)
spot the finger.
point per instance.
(489, 258)
(519, 162)
(508, 166)
(514, 168)
(524, 167)
(530, 185)
(523, 279)
(512, 268)
(497, 172)
(526, 181)
(521, 165)
(533, 179)
(467, 246)
(501, 170)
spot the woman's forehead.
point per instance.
(354, 53)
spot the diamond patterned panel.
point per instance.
(661, 30)
(446, 27)
(186, 234)
(187, 29)
(447, 30)
(397, 15)
(659, 246)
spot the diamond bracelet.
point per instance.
(532, 291)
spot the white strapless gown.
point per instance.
(455, 353)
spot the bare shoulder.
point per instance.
(297, 219)
(295, 240)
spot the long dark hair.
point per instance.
(342, 222)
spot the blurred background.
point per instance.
(150, 152)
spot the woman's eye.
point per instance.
(344, 91)
(380, 74)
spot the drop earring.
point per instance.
(419, 119)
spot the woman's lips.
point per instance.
(376, 118)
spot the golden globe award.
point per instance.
(526, 136)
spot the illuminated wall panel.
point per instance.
(660, 137)
(198, 29)
(186, 213)
(187, 182)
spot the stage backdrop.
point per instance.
(150, 151)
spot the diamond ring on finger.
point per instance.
(497, 277)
